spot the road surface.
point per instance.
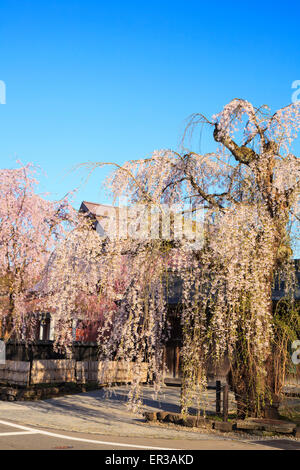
(95, 420)
(14, 436)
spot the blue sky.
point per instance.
(112, 81)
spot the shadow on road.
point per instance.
(104, 404)
(282, 444)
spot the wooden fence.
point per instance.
(15, 372)
(56, 371)
(53, 371)
(104, 372)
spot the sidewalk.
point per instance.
(100, 411)
(96, 413)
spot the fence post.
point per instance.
(30, 366)
(225, 402)
(218, 397)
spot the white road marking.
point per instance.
(19, 433)
(91, 441)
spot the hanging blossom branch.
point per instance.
(226, 285)
(30, 226)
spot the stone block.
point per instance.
(174, 418)
(150, 416)
(223, 426)
(246, 425)
(267, 425)
(161, 415)
(190, 421)
(275, 425)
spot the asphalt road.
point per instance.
(101, 420)
(14, 436)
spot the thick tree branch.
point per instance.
(242, 154)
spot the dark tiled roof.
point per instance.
(102, 212)
(174, 288)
